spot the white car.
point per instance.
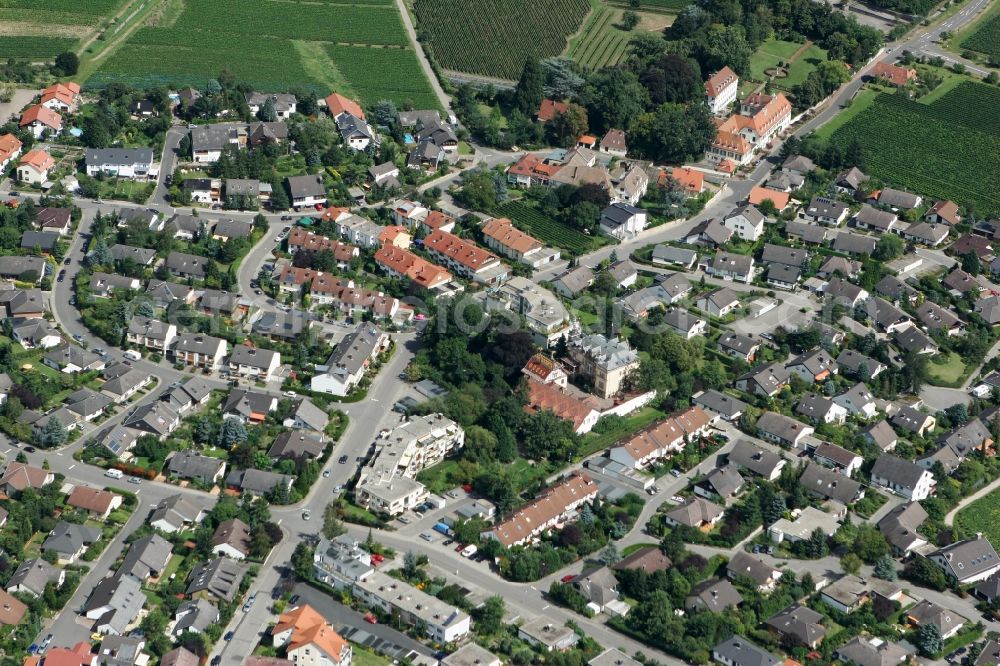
(290, 394)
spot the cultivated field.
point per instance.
(495, 37)
(983, 515)
(949, 149)
(986, 39)
(549, 231)
(31, 30)
(357, 48)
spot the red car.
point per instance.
(460, 547)
(377, 559)
(568, 577)
(370, 619)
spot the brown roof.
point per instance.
(461, 251)
(549, 109)
(759, 195)
(91, 499)
(436, 219)
(770, 111)
(233, 532)
(540, 365)
(20, 476)
(11, 610)
(614, 140)
(562, 404)
(505, 233)
(896, 75)
(717, 82)
(552, 503)
(649, 558)
(412, 266)
(946, 210)
(301, 239)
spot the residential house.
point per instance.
(826, 484)
(873, 219)
(399, 262)
(201, 351)
(72, 359)
(746, 221)
(820, 409)
(69, 541)
(542, 313)
(464, 258)
(34, 168)
(826, 211)
(850, 181)
(838, 458)
(606, 364)
(296, 445)
(925, 612)
(758, 195)
(968, 561)
(254, 363)
(196, 467)
(667, 255)
(761, 118)
(248, 406)
(283, 103)
(765, 380)
(914, 341)
(738, 651)
(737, 267)
(39, 119)
(10, 150)
(195, 616)
(309, 640)
(943, 212)
(720, 484)
(858, 401)
(97, 503)
(33, 575)
(893, 74)
(151, 333)
(130, 163)
(713, 595)
(176, 512)
(742, 347)
(900, 525)
(156, 418)
(684, 324)
(350, 359)
(306, 190)
(854, 244)
(881, 435)
(697, 513)
(623, 220)
(727, 407)
(719, 303)
(913, 420)
(744, 565)
(442, 622)
(553, 507)
(813, 366)
(902, 477)
(871, 651)
(613, 143)
(806, 522)
(798, 626)
(231, 539)
(720, 90)
(219, 578)
(756, 460)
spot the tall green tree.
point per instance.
(529, 91)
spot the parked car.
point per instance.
(675, 472)
(134, 479)
(567, 578)
(228, 637)
(428, 537)
(448, 542)
(326, 473)
(370, 618)
(29, 449)
(342, 460)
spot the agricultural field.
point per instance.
(983, 515)
(602, 42)
(948, 149)
(359, 49)
(671, 6)
(549, 231)
(494, 37)
(985, 39)
(37, 31)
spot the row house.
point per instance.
(401, 263)
(501, 235)
(465, 258)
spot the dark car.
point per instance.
(29, 449)
(68, 261)
(228, 636)
(216, 660)
(294, 600)
(342, 460)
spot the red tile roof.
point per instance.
(43, 115)
(549, 109)
(533, 517)
(39, 160)
(503, 231)
(9, 144)
(463, 252)
(946, 210)
(91, 499)
(301, 239)
(894, 74)
(562, 404)
(308, 627)
(759, 195)
(718, 82)
(690, 180)
(338, 104)
(414, 267)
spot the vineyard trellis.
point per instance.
(547, 230)
(932, 149)
(495, 37)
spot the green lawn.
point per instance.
(363, 657)
(769, 54)
(628, 550)
(983, 515)
(594, 442)
(945, 371)
(801, 68)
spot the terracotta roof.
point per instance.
(306, 240)
(38, 160)
(562, 404)
(310, 628)
(660, 436)
(896, 75)
(503, 231)
(333, 214)
(9, 144)
(540, 365)
(461, 251)
(68, 88)
(719, 81)
(339, 289)
(436, 219)
(412, 266)
(43, 115)
(552, 503)
(770, 111)
(338, 104)
(587, 140)
(690, 180)
(90, 499)
(391, 233)
(759, 195)
(61, 94)
(549, 109)
(80, 655)
(731, 141)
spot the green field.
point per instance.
(356, 48)
(983, 515)
(986, 39)
(549, 231)
(601, 43)
(41, 30)
(949, 149)
(495, 37)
